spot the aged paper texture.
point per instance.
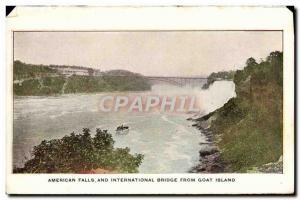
(150, 100)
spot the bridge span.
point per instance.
(177, 80)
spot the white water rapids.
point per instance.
(168, 141)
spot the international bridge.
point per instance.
(177, 80)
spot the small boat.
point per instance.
(122, 129)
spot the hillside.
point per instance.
(120, 72)
(39, 80)
(22, 70)
(247, 130)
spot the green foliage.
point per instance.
(43, 80)
(52, 85)
(86, 84)
(251, 62)
(127, 83)
(27, 87)
(250, 125)
(23, 71)
(39, 86)
(80, 153)
(223, 75)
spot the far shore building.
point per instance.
(74, 70)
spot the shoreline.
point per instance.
(209, 153)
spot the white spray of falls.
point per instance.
(216, 95)
(207, 100)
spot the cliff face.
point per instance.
(249, 127)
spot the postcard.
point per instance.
(150, 100)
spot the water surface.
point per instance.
(168, 141)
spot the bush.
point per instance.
(27, 87)
(80, 153)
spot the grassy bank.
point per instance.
(248, 128)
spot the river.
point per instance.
(168, 141)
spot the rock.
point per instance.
(273, 167)
(210, 161)
(202, 143)
(206, 152)
(216, 168)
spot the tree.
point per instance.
(251, 62)
(77, 153)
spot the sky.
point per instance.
(170, 53)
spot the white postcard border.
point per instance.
(157, 18)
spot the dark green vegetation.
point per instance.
(224, 75)
(80, 153)
(24, 71)
(40, 86)
(39, 80)
(248, 129)
(105, 83)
